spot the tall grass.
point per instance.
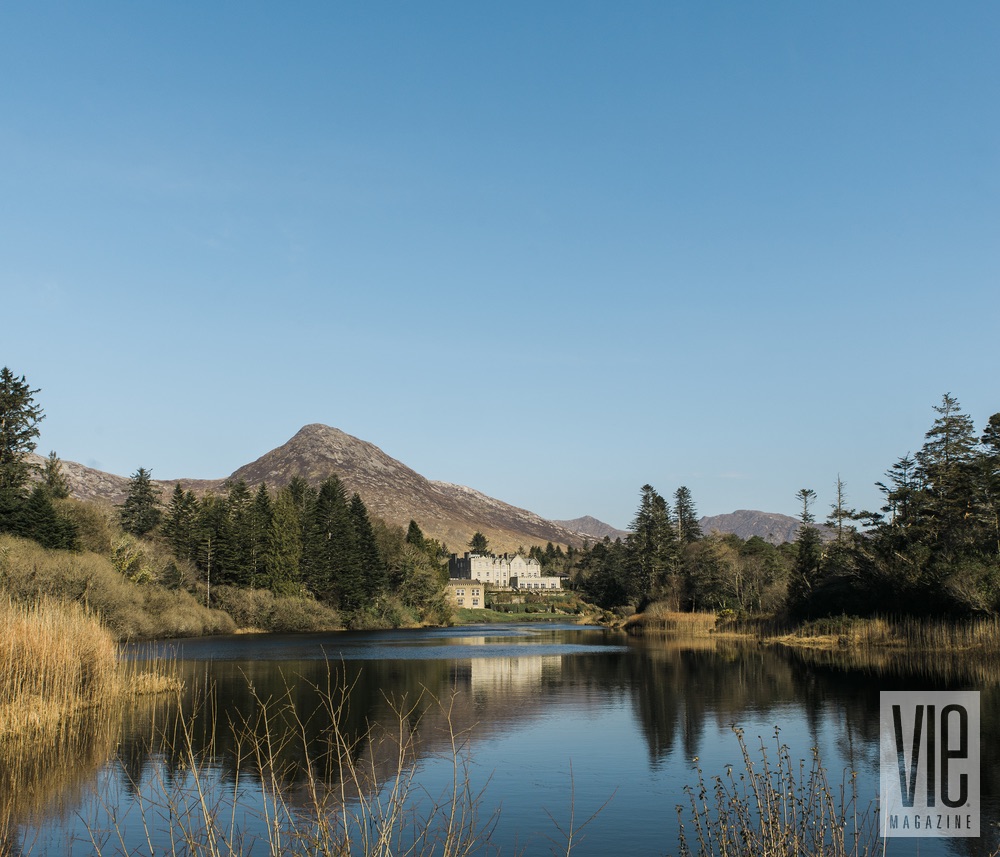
(659, 619)
(54, 661)
(774, 806)
(29, 573)
(345, 794)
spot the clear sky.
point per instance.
(550, 250)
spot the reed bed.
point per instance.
(659, 619)
(291, 794)
(775, 806)
(54, 661)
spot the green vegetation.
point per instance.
(933, 549)
(302, 559)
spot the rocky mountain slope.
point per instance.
(592, 529)
(390, 489)
(746, 523)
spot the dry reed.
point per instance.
(774, 806)
(659, 619)
(54, 661)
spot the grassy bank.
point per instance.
(54, 661)
(906, 633)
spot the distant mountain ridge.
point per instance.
(746, 523)
(592, 529)
(392, 491)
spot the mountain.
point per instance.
(390, 489)
(592, 529)
(746, 523)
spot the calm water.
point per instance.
(550, 721)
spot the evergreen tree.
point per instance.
(414, 535)
(688, 528)
(261, 516)
(53, 478)
(19, 418)
(140, 513)
(946, 465)
(180, 524)
(989, 479)
(478, 543)
(369, 571)
(808, 543)
(328, 546)
(284, 545)
(238, 506)
(652, 567)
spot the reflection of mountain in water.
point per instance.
(679, 694)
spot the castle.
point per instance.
(509, 571)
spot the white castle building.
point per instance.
(509, 571)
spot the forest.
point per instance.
(931, 549)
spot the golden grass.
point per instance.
(905, 633)
(658, 619)
(54, 661)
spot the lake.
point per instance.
(549, 724)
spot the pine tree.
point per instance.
(180, 524)
(809, 553)
(19, 418)
(946, 465)
(414, 535)
(688, 528)
(53, 479)
(284, 545)
(140, 513)
(261, 515)
(369, 570)
(652, 569)
(328, 543)
(479, 544)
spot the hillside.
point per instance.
(746, 523)
(592, 529)
(390, 489)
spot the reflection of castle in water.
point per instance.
(503, 675)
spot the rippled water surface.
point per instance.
(553, 723)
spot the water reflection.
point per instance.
(524, 699)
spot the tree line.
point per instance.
(933, 548)
(298, 540)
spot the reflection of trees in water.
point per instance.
(677, 688)
(48, 780)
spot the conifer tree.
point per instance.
(688, 528)
(19, 418)
(53, 478)
(140, 513)
(414, 535)
(369, 571)
(284, 545)
(327, 550)
(180, 524)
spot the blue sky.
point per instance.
(552, 251)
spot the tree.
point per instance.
(140, 513)
(652, 564)
(180, 524)
(809, 553)
(19, 418)
(688, 528)
(53, 478)
(478, 543)
(415, 536)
